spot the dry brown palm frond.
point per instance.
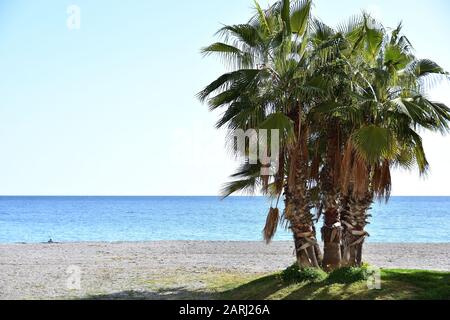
(265, 183)
(271, 224)
(315, 163)
(314, 170)
(385, 184)
(376, 177)
(360, 178)
(346, 167)
(292, 166)
(304, 146)
(338, 157)
(279, 177)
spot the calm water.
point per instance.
(67, 219)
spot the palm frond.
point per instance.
(229, 54)
(262, 19)
(300, 16)
(272, 221)
(246, 180)
(236, 80)
(285, 14)
(372, 143)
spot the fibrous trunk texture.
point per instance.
(354, 217)
(298, 207)
(331, 236)
(301, 223)
(331, 230)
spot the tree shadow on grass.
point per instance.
(258, 289)
(330, 291)
(180, 293)
(430, 285)
(395, 284)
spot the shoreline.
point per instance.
(205, 241)
(40, 271)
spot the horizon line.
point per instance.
(174, 196)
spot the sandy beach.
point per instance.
(46, 271)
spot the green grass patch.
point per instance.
(346, 283)
(294, 274)
(349, 284)
(293, 284)
(349, 275)
(429, 285)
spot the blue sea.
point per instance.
(73, 219)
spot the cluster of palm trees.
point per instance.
(349, 103)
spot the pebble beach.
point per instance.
(83, 270)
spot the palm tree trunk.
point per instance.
(331, 230)
(354, 221)
(331, 236)
(318, 252)
(298, 213)
(298, 206)
(301, 224)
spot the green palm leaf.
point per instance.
(262, 19)
(229, 54)
(373, 142)
(285, 15)
(300, 16)
(279, 121)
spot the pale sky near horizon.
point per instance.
(110, 109)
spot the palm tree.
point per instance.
(391, 107)
(365, 127)
(272, 87)
(347, 103)
(331, 127)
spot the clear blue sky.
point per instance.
(110, 109)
